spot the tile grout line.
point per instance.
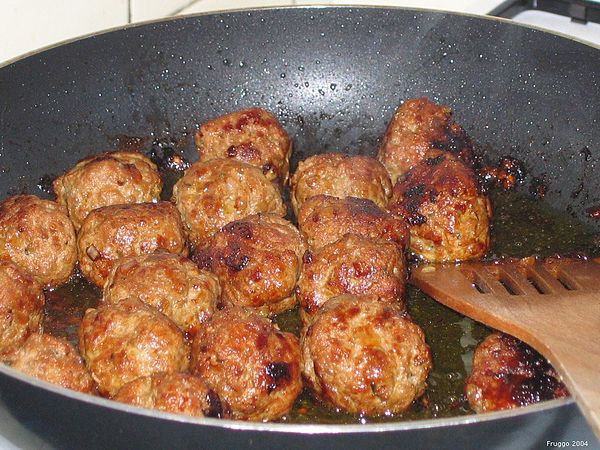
(181, 8)
(129, 11)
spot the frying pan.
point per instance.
(334, 76)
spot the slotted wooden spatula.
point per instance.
(552, 306)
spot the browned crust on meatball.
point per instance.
(363, 355)
(449, 216)
(171, 283)
(253, 136)
(418, 126)
(177, 393)
(117, 231)
(507, 373)
(38, 236)
(252, 365)
(110, 178)
(211, 194)
(21, 308)
(56, 361)
(340, 176)
(127, 340)
(258, 261)
(324, 219)
(352, 265)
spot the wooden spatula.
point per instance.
(552, 306)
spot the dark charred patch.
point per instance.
(415, 191)
(164, 155)
(416, 219)
(435, 161)
(203, 258)
(235, 260)
(307, 258)
(266, 168)
(538, 187)
(456, 141)
(279, 375)
(215, 406)
(507, 174)
(363, 206)
(593, 212)
(240, 229)
(44, 184)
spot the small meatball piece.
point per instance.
(364, 356)
(117, 231)
(111, 178)
(449, 216)
(507, 373)
(56, 361)
(21, 308)
(177, 393)
(340, 176)
(171, 283)
(253, 136)
(324, 219)
(213, 193)
(257, 260)
(418, 126)
(38, 236)
(253, 367)
(127, 340)
(352, 265)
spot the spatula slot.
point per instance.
(477, 281)
(567, 281)
(535, 282)
(510, 287)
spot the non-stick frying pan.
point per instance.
(334, 77)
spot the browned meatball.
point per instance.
(127, 340)
(352, 265)
(54, 360)
(341, 176)
(418, 126)
(21, 308)
(253, 136)
(213, 193)
(324, 219)
(111, 178)
(257, 260)
(252, 365)
(171, 283)
(114, 232)
(178, 393)
(449, 216)
(365, 356)
(38, 236)
(507, 373)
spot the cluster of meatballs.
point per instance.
(190, 285)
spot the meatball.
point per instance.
(253, 136)
(324, 219)
(449, 216)
(418, 126)
(178, 393)
(111, 178)
(352, 265)
(56, 361)
(340, 176)
(251, 365)
(38, 236)
(363, 355)
(507, 373)
(171, 283)
(127, 340)
(257, 260)
(114, 232)
(213, 193)
(21, 308)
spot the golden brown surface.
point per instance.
(213, 193)
(257, 260)
(56, 361)
(178, 393)
(21, 308)
(117, 231)
(252, 365)
(341, 176)
(352, 265)
(127, 340)
(38, 236)
(364, 356)
(110, 178)
(507, 373)
(418, 126)
(449, 217)
(171, 283)
(324, 219)
(253, 136)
